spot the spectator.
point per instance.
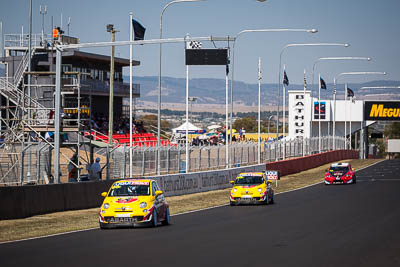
(243, 134)
(72, 169)
(95, 171)
(49, 136)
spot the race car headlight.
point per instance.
(234, 190)
(106, 206)
(143, 205)
(260, 190)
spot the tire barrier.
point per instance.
(291, 166)
(24, 201)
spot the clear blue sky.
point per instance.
(372, 28)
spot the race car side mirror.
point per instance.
(159, 192)
(231, 182)
(104, 194)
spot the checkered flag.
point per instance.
(193, 45)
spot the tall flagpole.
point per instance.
(350, 131)
(304, 97)
(130, 96)
(283, 113)
(345, 115)
(227, 118)
(319, 113)
(259, 112)
(187, 118)
(334, 113)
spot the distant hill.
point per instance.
(212, 91)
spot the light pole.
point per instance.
(69, 23)
(233, 59)
(312, 78)
(110, 28)
(345, 98)
(43, 13)
(379, 87)
(159, 84)
(279, 79)
(191, 100)
(269, 120)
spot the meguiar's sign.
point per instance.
(382, 110)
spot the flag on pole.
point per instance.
(138, 30)
(322, 83)
(305, 80)
(285, 78)
(350, 92)
(194, 45)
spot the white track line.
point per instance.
(182, 213)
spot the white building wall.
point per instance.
(349, 111)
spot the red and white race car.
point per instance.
(340, 173)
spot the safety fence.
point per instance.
(35, 164)
(202, 158)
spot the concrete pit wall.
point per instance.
(291, 166)
(24, 201)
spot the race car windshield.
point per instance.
(130, 190)
(339, 169)
(249, 180)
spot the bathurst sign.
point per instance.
(382, 110)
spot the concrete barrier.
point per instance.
(291, 166)
(24, 201)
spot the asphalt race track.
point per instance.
(338, 225)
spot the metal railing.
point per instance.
(201, 158)
(22, 40)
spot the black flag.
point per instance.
(285, 79)
(323, 84)
(138, 30)
(350, 93)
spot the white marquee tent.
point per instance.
(192, 129)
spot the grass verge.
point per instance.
(61, 222)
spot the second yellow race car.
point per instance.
(251, 188)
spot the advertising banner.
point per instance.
(317, 111)
(382, 110)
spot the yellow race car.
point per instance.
(131, 202)
(251, 188)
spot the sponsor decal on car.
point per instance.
(126, 200)
(130, 183)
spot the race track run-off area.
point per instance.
(338, 225)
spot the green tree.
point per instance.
(247, 123)
(150, 123)
(392, 131)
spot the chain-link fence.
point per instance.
(201, 158)
(37, 165)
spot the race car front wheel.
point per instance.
(154, 221)
(167, 219)
(104, 226)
